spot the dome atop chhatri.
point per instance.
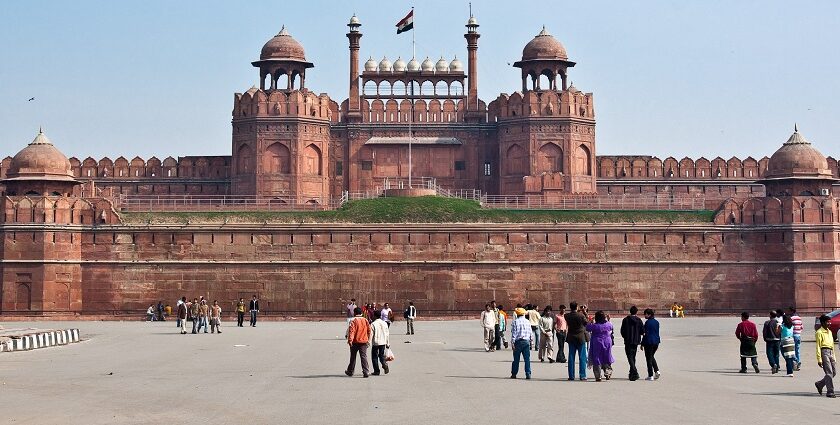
(413, 65)
(370, 65)
(384, 64)
(40, 160)
(283, 47)
(399, 65)
(427, 65)
(544, 46)
(456, 65)
(442, 65)
(797, 158)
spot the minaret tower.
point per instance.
(353, 105)
(472, 36)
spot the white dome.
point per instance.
(384, 64)
(427, 65)
(354, 20)
(472, 21)
(456, 65)
(399, 65)
(370, 65)
(413, 65)
(442, 65)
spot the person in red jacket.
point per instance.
(747, 333)
(358, 336)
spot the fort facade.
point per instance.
(66, 250)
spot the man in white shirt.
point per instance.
(488, 323)
(386, 314)
(380, 341)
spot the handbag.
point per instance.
(389, 355)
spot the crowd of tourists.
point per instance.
(782, 335)
(369, 326)
(203, 314)
(589, 338)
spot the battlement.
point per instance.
(549, 103)
(278, 103)
(635, 167)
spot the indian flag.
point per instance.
(407, 23)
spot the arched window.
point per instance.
(312, 160)
(277, 159)
(516, 160)
(550, 158)
(245, 157)
(583, 160)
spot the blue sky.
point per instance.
(713, 78)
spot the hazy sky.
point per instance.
(155, 77)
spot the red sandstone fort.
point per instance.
(66, 249)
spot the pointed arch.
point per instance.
(244, 159)
(516, 160)
(550, 158)
(277, 159)
(312, 160)
(583, 160)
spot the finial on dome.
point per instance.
(40, 129)
(795, 128)
(544, 31)
(283, 31)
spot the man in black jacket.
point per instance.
(254, 307)
(631, 330)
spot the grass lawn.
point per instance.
(427, 209)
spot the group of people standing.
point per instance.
(782, 334)
(589, 338)
(369, 311)
(201, 314)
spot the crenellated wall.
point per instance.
(755, 255)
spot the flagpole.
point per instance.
(411, 99)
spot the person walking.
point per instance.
(215, 317)
(380, 341)
(600, 346)
(502, 328)
(203, 315)
(546, 336)
(195, 309)
(534, 320)
(632, 329)
(797, 335)
(560, 328)
(825, 357)
(522, 338)
(496, 340)
(747, 333)
(240, 312)
(410, 315)
(772, 338)
(348, 309)
(254, 308)
(488, 323)
(387, 315)
(358, 337)
(788, 345)
(650, 343)
(182, 315)
(576, 340)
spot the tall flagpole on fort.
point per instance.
(411, 99)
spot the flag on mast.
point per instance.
(407, 23)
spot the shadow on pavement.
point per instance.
(792, 394)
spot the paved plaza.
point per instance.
(292, 372)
